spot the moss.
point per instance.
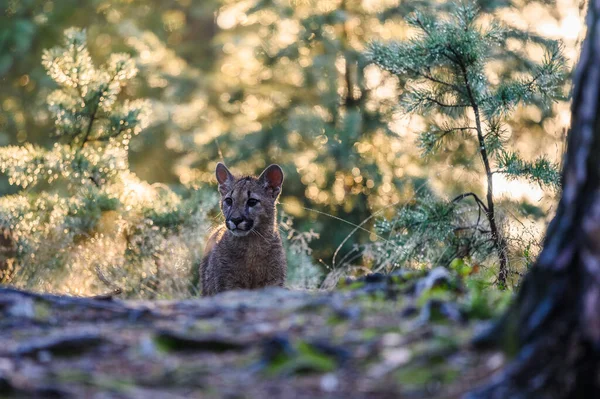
(412, 376)
(370, 333)
(305, 359)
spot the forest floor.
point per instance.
(405, 335)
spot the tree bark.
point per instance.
(553, 327)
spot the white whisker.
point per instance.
(260, 235)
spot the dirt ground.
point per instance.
(371, 339)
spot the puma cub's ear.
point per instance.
(272, 178)
(224, 178)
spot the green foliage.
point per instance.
(540, 171)
(85, 107)
(302, 273)
(96, 127)
(430, 231)
(16, 35)
(86, 223)
(448, 62)
(482, 301)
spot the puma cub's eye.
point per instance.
(228, 201)
(252, 202)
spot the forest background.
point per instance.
(252, 83)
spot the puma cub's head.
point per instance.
(248, 203)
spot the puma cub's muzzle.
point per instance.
(239, 226)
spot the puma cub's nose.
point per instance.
(236, 221)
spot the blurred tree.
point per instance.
(151, 26)
(446, 61)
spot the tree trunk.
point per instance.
(553, 327)
(8, 254)
(490, 213)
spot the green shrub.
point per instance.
(83, 223)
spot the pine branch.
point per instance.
(446, 105)
(90, 124)
(475, 197)
(540, 171)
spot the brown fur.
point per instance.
(248, 255)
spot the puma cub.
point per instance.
(247, 252)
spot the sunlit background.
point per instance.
(251, 83)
